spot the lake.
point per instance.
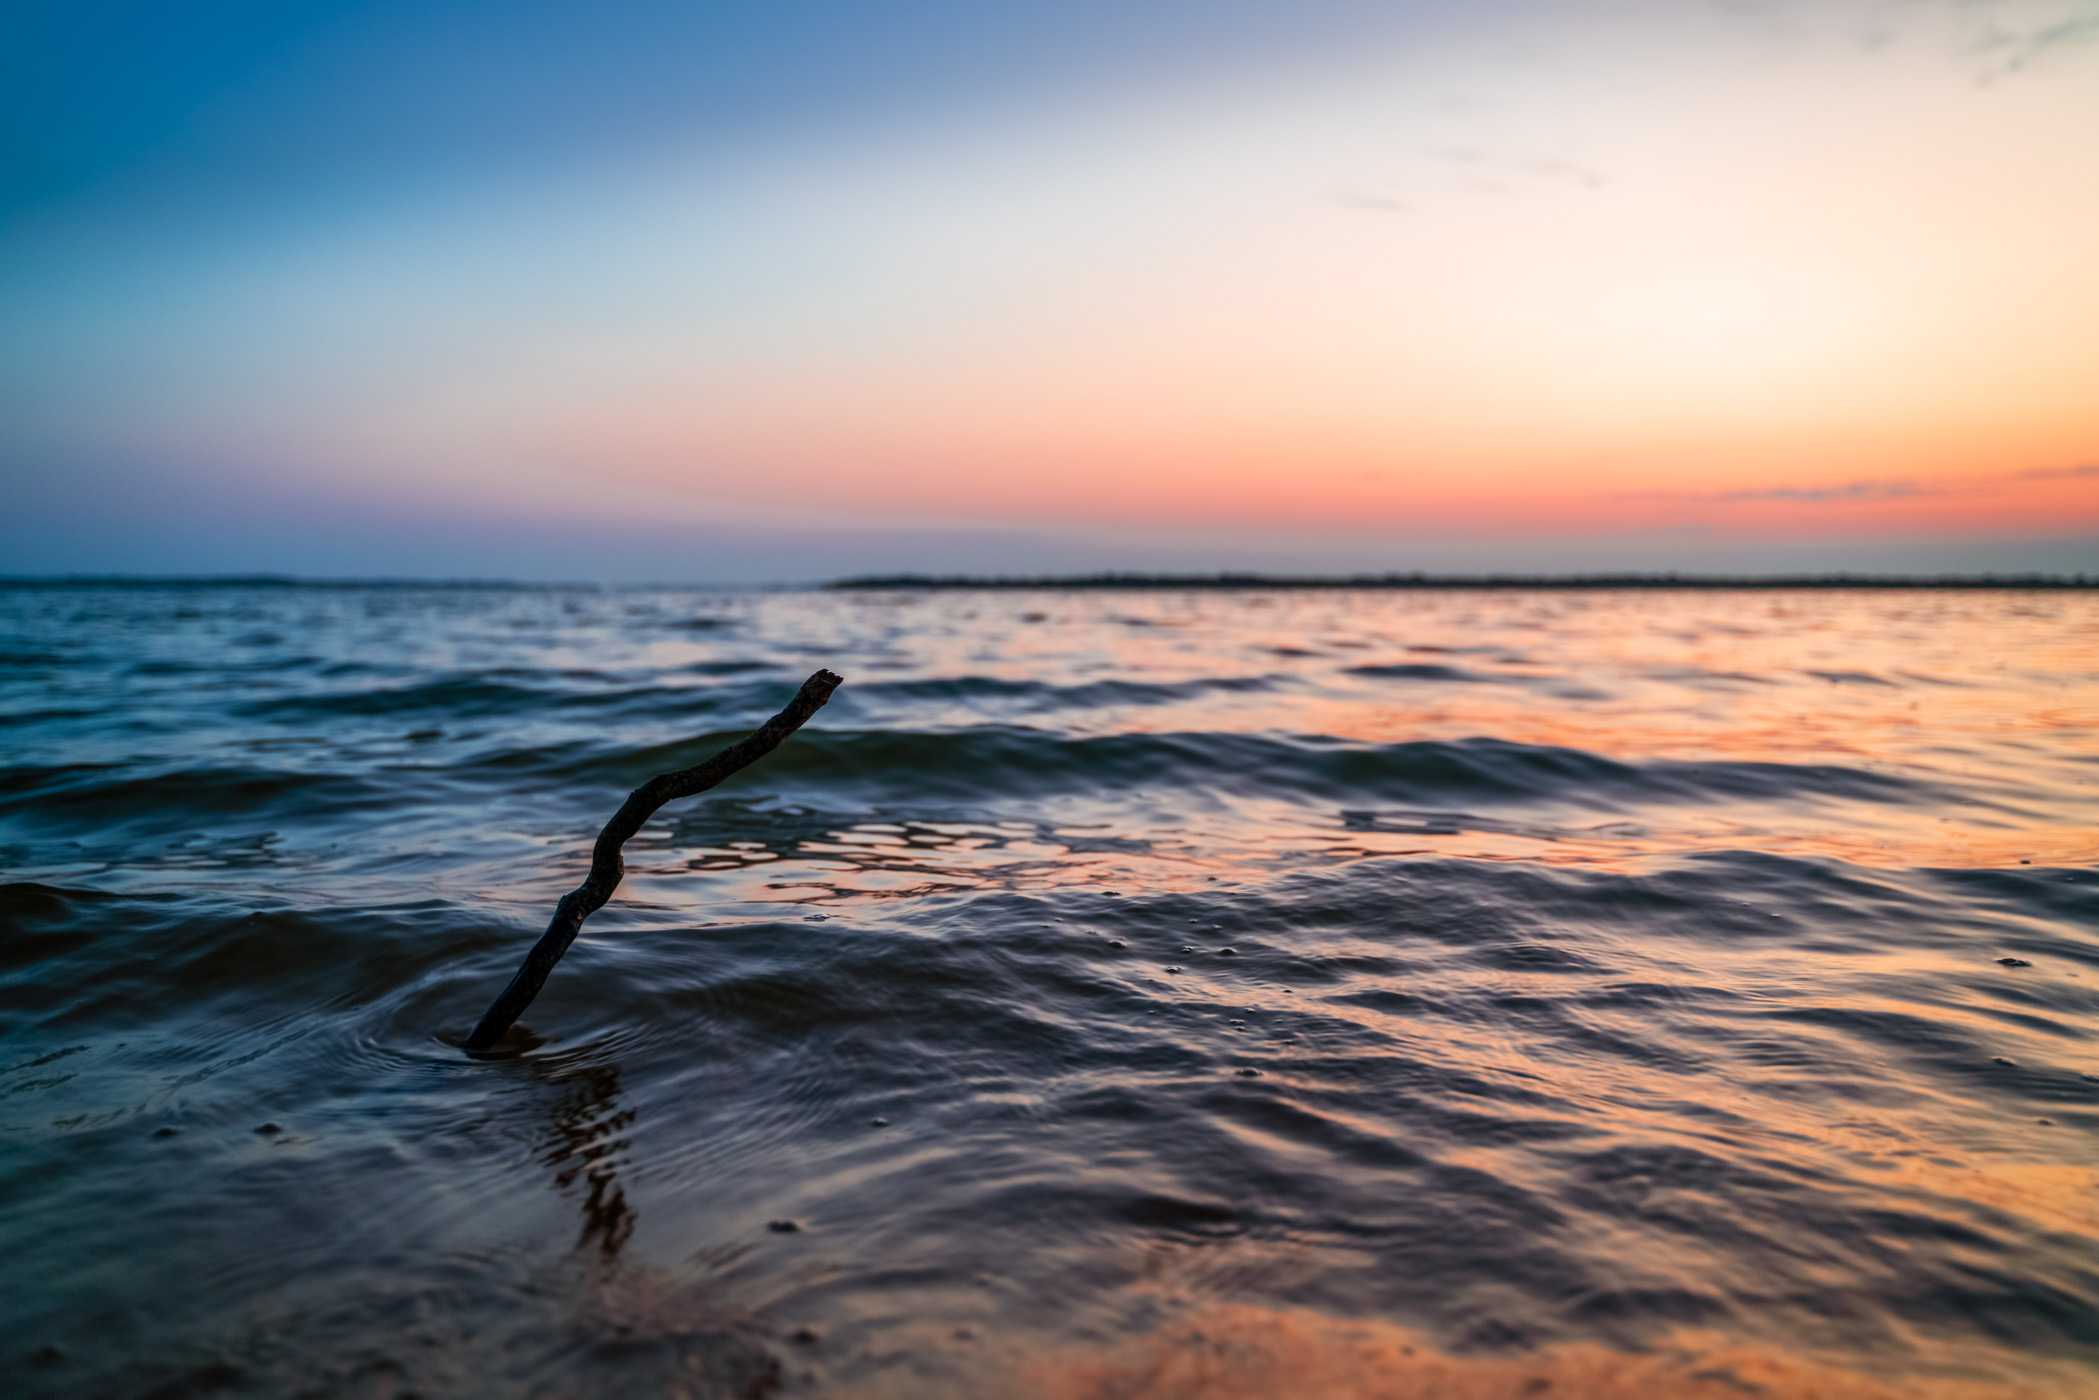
(1110, 994)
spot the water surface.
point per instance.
(1111, 994)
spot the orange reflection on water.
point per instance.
(1897, 730)
(1979, 709)
(1237, 1352)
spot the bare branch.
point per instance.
(606, 867)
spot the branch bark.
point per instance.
(606, 867)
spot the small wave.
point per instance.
(1854, 678)
(982, 691)
(83, 797)
(1423, 671)
(994, 762)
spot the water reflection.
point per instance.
(1235, 1352)
(1446, 973)
(586, 1144)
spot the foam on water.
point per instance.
(1110, 994)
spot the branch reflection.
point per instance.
(585, 1144)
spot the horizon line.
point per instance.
(1129, 579)
(1417, 579)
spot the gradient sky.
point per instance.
(700, 292)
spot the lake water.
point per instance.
(1111, 994)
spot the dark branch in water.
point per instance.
(606, 867)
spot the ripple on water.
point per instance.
(1490, 996)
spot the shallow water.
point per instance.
(1159, 994)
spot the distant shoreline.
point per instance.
(1125, 581)
(1460, 581)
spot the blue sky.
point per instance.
(216, 102)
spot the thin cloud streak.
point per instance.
(1883, 489)
(1849, 491)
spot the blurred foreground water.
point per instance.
(1147, 994)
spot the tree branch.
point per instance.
(606, 867)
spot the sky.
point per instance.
(702, 292)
